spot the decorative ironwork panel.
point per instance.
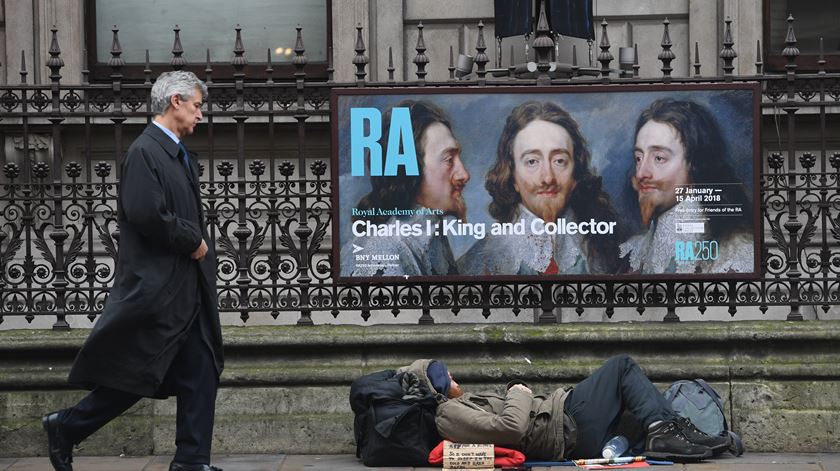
(270, 214)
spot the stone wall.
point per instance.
(285, 388)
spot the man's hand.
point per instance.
(200, 252)
(522, 387)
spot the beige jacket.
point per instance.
(535, 425)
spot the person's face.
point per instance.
(444, 174)
(543, 168)
(186, 112)
(661, 166)
(455, 390)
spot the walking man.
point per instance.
(159, 333)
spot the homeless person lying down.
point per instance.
(568, 423)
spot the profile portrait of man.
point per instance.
(543, 171)
(437, 192)
(679, 151)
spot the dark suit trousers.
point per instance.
(194, 374)
(598, 402)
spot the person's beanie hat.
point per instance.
(439, 376)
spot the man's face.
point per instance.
(186, 112)
(543, 168)
(455, 390)
(661, 166)
(444, 175)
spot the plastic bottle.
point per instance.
(615, 447)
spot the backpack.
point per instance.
(391, 427)
(698, 402)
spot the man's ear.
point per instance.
(175, 101)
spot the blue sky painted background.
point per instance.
(607, 121)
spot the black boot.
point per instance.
(176, 466)
(59, 448)
(718, 443)
(666, 441)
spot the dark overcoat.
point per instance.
(155, 296)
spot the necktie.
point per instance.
(185, 159)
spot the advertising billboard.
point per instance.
(503, 183)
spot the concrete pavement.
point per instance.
(279, 462)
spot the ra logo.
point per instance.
(400, 131)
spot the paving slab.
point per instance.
(249, 462)
(830, 462)
(226, 462)
(330, 463)
(84, 463)
(158, 463)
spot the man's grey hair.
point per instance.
(169, 84)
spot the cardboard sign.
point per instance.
(467, 456)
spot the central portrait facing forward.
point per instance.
(627, 182)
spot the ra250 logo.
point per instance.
(695, 250)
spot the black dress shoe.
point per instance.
(60, 450)
(176, 466)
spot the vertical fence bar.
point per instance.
(825, 204)
(90, 216)
(272, 213)
(58, 234)
(242, 232)
(28, 188)
(793, 225)
(303, 231)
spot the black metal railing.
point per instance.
(270, 216)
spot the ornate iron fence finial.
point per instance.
(147, 70)
(116, 62)
(791, 52)
(391, 68)
(299, 61)
(361, 60)
(178, 62)
(208, 68)
(23, 72)
(728, 54)
(55, 62)
(481, 58)
(543, 44)
(821, 60)
(420, 59)
(269, 69)
(451, 67)
(666, 55)
(239, 61)
(696, 58)
(605, 57)
(636, 65)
